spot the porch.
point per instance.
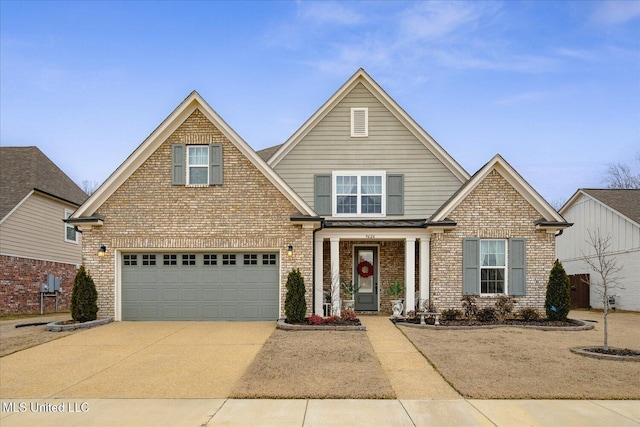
(371, 258)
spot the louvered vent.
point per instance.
(359, 122)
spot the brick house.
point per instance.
(196, 225)
(34, 241)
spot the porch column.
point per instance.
(409, 274)
(425, 257)
(319, 279)
(335, 275)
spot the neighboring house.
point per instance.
(199, 226)
(614, 213)
(35, 198)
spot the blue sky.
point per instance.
(552, 86)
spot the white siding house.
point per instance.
(615, 213)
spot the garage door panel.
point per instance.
(214, 288)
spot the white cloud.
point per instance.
(616, 12)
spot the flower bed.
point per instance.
(543, 324)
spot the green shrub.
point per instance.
(295, 305)
(486, 314)
(84, 297)
(528, 314)
(558, 300)
(450, 314)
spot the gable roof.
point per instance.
(361, 77)
(266, 153)
(550, 217)
(161, 133)
(623, 201)
(25, 169)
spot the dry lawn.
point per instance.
(510, 363)
(315, 365)
(14, 339)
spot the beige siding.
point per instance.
(35, 230)
(389, 147)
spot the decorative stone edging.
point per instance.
(59, 327)
(585, 352)
(580, 326)
(281, 324)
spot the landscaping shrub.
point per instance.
(528, 314)
(314, 319)
(348, 315)
(504, 307)
(295, 305)
(84, 297)
(469, 306)
(450, 314)
(558, 299)
(486, 314)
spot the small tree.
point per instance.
(606, 268)
(295, 305)
(558, 299)
(84, 297)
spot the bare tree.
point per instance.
(89, 186)
(622, 176)
(606, 268)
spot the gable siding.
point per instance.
(148, 213)
(35, 230)
(390, 147)
(587, 214)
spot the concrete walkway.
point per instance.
(410, 374)
(326, 413)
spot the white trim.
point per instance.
(359, 175)
(506, 269)
(409, 274)
(15, 208)
(77, 264)
(376, 267)
(205, 166)
(583, 193)
(67, 215)
(513, 178)
(365, 131)
(362, 77)
(318, 264)
(425, 276)
(159, 136)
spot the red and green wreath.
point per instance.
(365, 269)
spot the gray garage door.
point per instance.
(200, 286)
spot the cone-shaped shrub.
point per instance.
(558, 301)
(295, 305)
(84, 297)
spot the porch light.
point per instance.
(290, 250)
(102, 251)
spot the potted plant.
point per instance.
(394, 292)
(349, 289)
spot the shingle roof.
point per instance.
(266, 153)
(627, 202)
(23, 169)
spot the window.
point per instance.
(189, 259)
(210, 259)
(198, 165)
(359, 122)
(493, 265)
(130, 259)
(269, 259)
(148, 260)
(70, 233)
(228, 259)
(250, 259)
(359, 193)
(169, 259)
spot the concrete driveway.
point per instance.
(137, 360)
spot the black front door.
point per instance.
(366, 278)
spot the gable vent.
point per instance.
(359, 122)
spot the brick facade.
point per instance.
(148, 212)
(493, 210)
(20, 280)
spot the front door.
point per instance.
(366, 278)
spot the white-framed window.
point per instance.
(70, 233)
(493, 266)
(359, 193)
(198, 165)
(359, 122)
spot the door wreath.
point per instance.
(365, 269)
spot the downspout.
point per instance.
(313, 268)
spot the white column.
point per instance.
(409, 274)
(319, 279)
(425, 257)
(335, 275)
